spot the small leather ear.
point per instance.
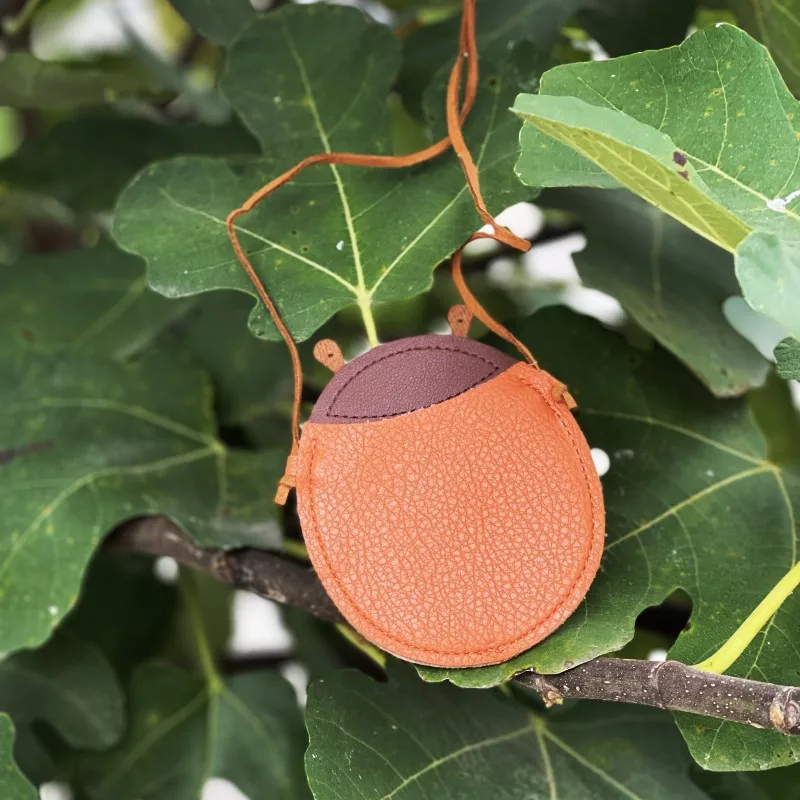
(561, 394)
(328, 354)
(459, 318)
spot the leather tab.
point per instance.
(287, 482)
(285, 485)
(328, 354)
(459, 318)
(561, 394)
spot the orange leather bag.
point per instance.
(449, 501)
(447, 497)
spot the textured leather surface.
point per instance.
(460, 534)
(406, 375)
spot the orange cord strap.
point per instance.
(455, 119)
(479, 311)
(467, 49)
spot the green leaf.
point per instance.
(622, 26)
(707, 132)
(670, 280)
(252, 378)
(69, 684)
(13, 784)
(85, 161)
(787, 354)
(249, 732)
(93, 300)
(678, 128)
(777, 24)
(769, 271)
(321, 243)
(27, 82)
(218, 23)
(696, 498)
(406, 739)
(87, 444)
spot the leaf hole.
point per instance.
(657, 627)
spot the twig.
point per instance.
(676, 687)
(667, 685)
(267, 574)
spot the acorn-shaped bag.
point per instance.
(447, 497)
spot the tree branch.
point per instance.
(267, 574)
(667, 685)
(676, 687)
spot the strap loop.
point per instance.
(456, 115)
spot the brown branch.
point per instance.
(267, 574)
(667, 685)
(676, 687)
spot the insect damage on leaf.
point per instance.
(681, 160)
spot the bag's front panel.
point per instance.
(460, 534)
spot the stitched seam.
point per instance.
(392, 638)
(484, 379)
(495, 368)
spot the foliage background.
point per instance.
(128, 388)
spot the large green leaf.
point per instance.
(88, 443)
(692, 130)
(670, 280)
(27, 82)
(787, 354)
(69, 684)
(707, 132)
(182, 733)
(407, 740)
(93, 300)
(13, 784)
(777, 24)
(335, 236)
(85, 161)
(220, 23)
(696, 498)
